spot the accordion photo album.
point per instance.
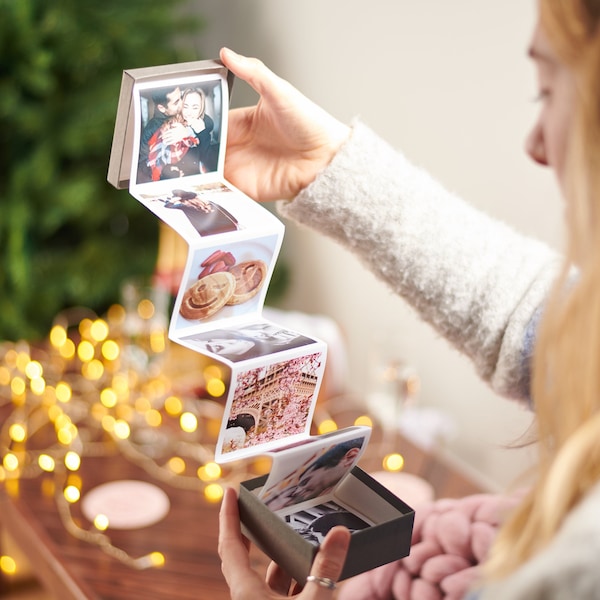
(169, 150)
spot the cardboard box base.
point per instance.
(387, 540)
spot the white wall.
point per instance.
(450, 85)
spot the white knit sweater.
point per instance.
(478, 282)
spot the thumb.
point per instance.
(254, 72)
(330, 560)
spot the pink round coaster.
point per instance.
(127, 504)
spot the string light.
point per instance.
(85, 387)
(393, 462)
(8, 565)
(326, 426)
(101, 522)
(188, 422)
(82, 382)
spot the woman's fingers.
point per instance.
(233, 549)
(329, 562)
(277, 579)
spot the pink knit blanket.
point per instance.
(451, 537)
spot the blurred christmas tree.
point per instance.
(66, 236)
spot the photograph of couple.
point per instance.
(180, 133)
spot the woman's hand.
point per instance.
(246, 584)
(276, 148)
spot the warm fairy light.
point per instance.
(212, 372)
(58, 336)
(145, 309)
(61, 420)
(8, 566)
(213, 492)
(85, 351)
(153, 418)
(209, 472)
(108, 397)
(12, 487)
(157, 559)
(74, 480)
(110, 350)
(38, 386)
(101, 522)
(67, 350)
(393, 462)
(215, 387)
(10, 358)
(63, 392)
(23, 359)
(34, 369)
(177, 465)
(364, 420)
(108, 423)
(4, 376)
(85, 326)
(173, 406)
(93, 370)
(121, 429)
(54, 412)
(17, 386)
(49, 396)
(10, 462)
(65, 435)
(261, 465)
(72, 461)
(116, 314)
(327, 425)
(71, 494)
(17, 432)
(99, 330)
(46, 463)
(157, 341)
(188, 422)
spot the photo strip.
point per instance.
(312, 470)
(271, 404)
(170, 134)
(313, 523)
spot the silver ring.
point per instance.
(322, 581)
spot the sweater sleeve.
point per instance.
(475, 280)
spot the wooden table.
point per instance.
(73, 569)
(70, 568)
(187, 536)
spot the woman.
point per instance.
(481, 285)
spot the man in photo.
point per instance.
(167, 104)
(321, 476)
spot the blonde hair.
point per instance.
(566, 366)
